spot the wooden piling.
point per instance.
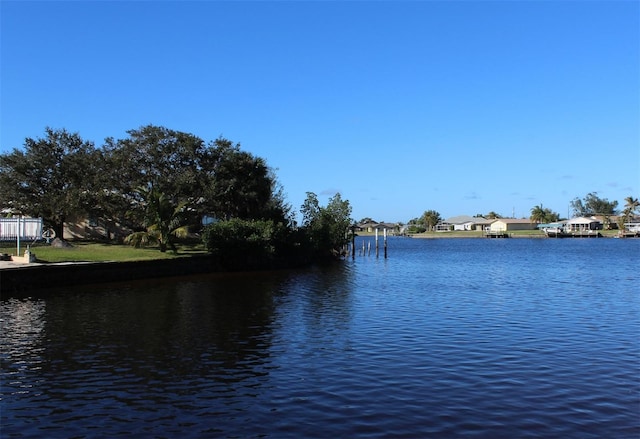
(353, 242)
(385, 243)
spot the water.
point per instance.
(535, 338)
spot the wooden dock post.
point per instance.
(353, 242)
(377, 250)
(385, 243)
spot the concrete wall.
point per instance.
(22, 280)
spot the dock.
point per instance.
(499, 234)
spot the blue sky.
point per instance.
(463, 107)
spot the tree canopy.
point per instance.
(216, 179)
(152, 156)
(61, 175)
(430, 218)
(326, 228)
(159, 181)
(53, 178)
(238, 184)
(541, 214)
(591, 204)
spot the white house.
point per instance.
(633, 225)
(463, 222)
(582, 224)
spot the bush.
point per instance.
(239, 244)
(416, 229)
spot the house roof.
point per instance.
(376, 225)
(513, 220)
(582, 220)
(462, 219)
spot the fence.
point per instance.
(12, 229)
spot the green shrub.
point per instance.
(238, 244)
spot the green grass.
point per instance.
(101, 252)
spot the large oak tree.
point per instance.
(53, 178)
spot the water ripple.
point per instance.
(474, 338)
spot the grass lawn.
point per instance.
(100, 252)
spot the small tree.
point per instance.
(163, 221)
(325, 228)
(630, 208)
(543, 215)
(430, 218)
(631, 205)
(242, 244)
(537, 214)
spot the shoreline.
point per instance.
(18, 279)
(475, 235)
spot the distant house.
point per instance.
(633, 225)
(368, 227)
(582, 224)
(84, 227)
(372, 226)
(608, 221)
(508, 224)
(463, 222)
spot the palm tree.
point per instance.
(630, 208)
(631, 205)
(430, 218)
(163, 221)
(538, 214)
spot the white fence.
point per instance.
(24, 228)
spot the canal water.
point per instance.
(500, 338)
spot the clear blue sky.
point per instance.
(463, 107)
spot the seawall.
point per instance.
(20, 280)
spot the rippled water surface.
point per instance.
(536, 338)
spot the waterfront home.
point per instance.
(367, 227)
(608, 221)
(372, 226)
(581, 224)
(463, 222)
(633, 225)
(90, 227)
(508, 224)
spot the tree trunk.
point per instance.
(58, 228)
